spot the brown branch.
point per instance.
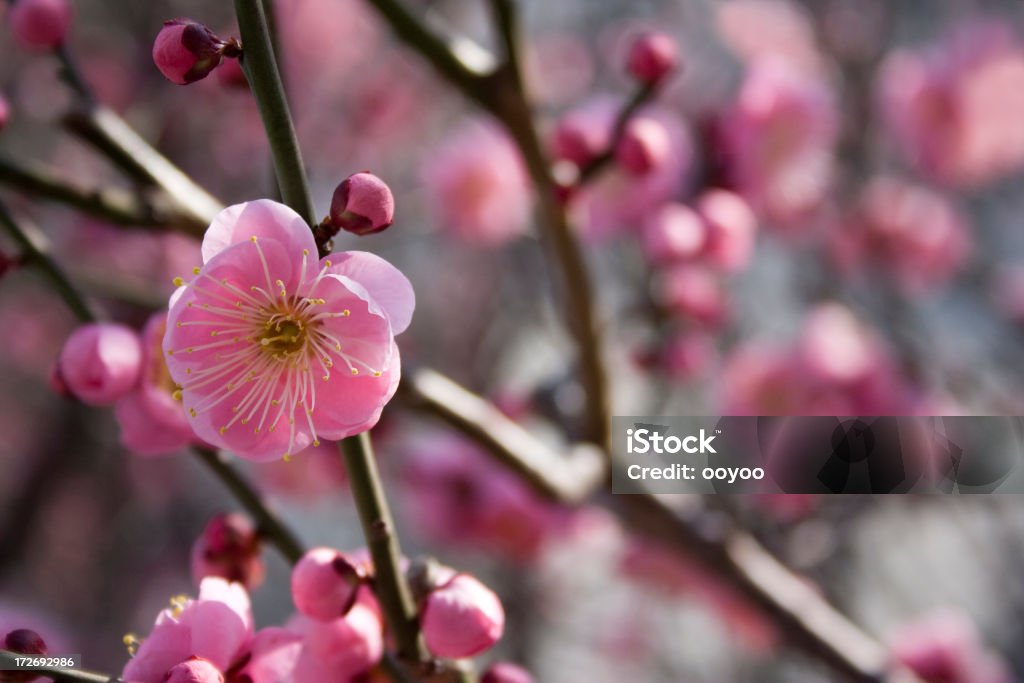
(567, 479)
(643, 95)
(115, 139)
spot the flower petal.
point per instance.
(385, 283)
(262, 218)
(351, 405)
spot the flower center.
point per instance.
(283, 336)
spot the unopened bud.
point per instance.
(185, 51)
(24, 642)
(230, 548)
(362, 204)
(651, 57)
(40, 24)
(100, 362)
(643, 147)
(325, 584)
(462, 618)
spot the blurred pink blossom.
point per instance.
(945, 647)
(779, 140)
(100, 362)
(477, 186)
(954, 108)
(916, 234)
(779, 29)
(461, 618)
(152, 422)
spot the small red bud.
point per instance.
(643, 147)
(229, 547)
(25, 642)
(651, 57)
(362, 204)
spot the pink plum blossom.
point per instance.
(953, 109)
(779, 140)
(693, 292)
(672, 233)
(777, 29)
(40, 24)
(341, 648)
(944, 647)
(731, 226)
(644, 145)
(215, 626)
(616, 201)
(915, 234)
(152, 422)
(325, 584)
(461, 618)
(274, 350)
(100, 362)
(458, 495)
(230, 548)
(477, 185)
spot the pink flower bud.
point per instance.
(506, 672)
(100, 362)
(229, 548)
(732, 228)
(40, 23)
(325, 584)
(194, 670)
(644, 145)
(579, 137)
(462, 618)
(185, 51)
(651, 56)
(362, 204)
(25, 642)
(673, 233)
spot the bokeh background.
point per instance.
(878, 147)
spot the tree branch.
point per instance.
(643, 95)
(270, 525)
(36, 250)
(568, 479)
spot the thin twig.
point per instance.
(568, 479)
(261, 70)
(390, 583)
(36, 250)
(643, 95)
(7, 661)
(113, 205)
(269, 524)
(115, 139)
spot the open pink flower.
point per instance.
(216, 626)
(274, 350)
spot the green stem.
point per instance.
(36, 250)
(261, 69)
(392, 590)
(7, 662)
(378, 529)
(269, 524)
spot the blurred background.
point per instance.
(825, 217)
